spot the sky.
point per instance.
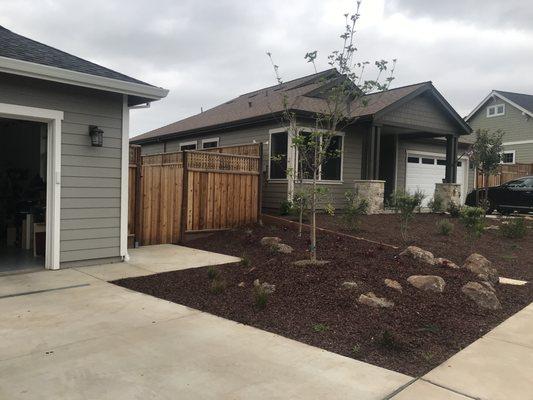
(208, 52)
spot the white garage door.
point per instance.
(423, 171)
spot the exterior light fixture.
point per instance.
(97, 136)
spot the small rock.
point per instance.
(445, 263)
(283, 248)
(482, 267)
(307, 263)
(491, 228)
(483, 294)
(349, 285)
(393, 284)
(370, 299)
(429, 283)
(270, 240)
(265, 287)
(416, 253)
(241, 284)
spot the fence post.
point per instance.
(184, 196)
(138, 198)
(260, 184)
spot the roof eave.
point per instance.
(54, 74)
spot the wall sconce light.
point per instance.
(97, 136)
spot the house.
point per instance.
(406, 137)
(513, 114)
(64, 156)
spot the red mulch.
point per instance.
(426, 328)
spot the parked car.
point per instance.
(515, 195)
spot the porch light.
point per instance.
(97, 136)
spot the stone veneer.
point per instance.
(373, 192)
(449, 193)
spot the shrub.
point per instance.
(320, 327)
(217, 285)
(286, 207)
(405, 204)
(389, 341)
(262, 291)
(245, 261)
(454, 210)
(515, 229)
(473, 219)
(212, 273)
(436, 204)
(445, 227)
(356, 348)
(355, 207)
(419, 196)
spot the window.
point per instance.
(508, 157)
(413, 160)
(332, 166)
(278, 155)
(209, 143)
(440, 161)
(429, 161)
(495, 110)
(188, 146)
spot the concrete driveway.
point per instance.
(69, 334)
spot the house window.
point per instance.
(413, 160)
(209, 143)
(429, 161)
(188, 146)
(495, 110)
(440, 161)
(278, 155)
(331, 168)
(508, 157)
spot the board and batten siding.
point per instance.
(90, 176)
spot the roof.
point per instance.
(302, 94)
(16, 52)
(524, 102)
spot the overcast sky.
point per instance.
(207, 52)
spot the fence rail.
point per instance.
(181, 192)
(506, 173)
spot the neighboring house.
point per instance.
(55, 100)
(401, 136)
(513, 114)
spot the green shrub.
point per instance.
(262, 292)
(217, 285)
(356, 348)
(286, 207)
(245, 261)
(405, 204)
(454, 210)
(436, 204)
(515, 229)
(212, 273)
(419, 196)
(445, 227)
(473, 219)
(355, 207)
(389, 341)
(320, 327)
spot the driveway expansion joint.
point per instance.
(44, 291)
(450, 390)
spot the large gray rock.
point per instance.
(483, 294)
(418, 254)
(393, 284)
(482, 267)
(428, 283)
(371, 300)
(283, 248)
(349, 285)
(270, 240)
(445, 263)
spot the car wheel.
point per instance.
(504, 211)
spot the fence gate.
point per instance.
(506, 173)
(172, 194)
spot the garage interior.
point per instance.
(23, 164)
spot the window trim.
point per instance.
(195, 142)
(513, 152)
(495, 108)
(210, 140)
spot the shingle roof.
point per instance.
(19, 47)
(267, 101)
(523, 100)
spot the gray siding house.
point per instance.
(406, 137)
(84, 183)
(513, 114)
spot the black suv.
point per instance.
(516, 195)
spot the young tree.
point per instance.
(485, 155)
(340, 95)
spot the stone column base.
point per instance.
(449, 193)
(373, 192)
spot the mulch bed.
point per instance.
(420, 332)
(513, 257)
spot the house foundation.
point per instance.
(449, 193)
(373, 191)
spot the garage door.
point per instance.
(423, 171)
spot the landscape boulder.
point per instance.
(428, 283)
(418, 254)
(349, 285)
(264, 287)
(371, 300)
(270, 240)
(445, 263)
(482, 267)
(483, 294)
(393, 284)
(283, 248)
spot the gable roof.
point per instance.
(23, 56)
(523, 102)
(302, 95)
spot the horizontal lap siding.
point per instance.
(90, 176)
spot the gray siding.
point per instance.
(517, 127)
(90, 185)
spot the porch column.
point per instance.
(371, 150)
(451, 159)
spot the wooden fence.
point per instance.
(506, 173)
(194, 191)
